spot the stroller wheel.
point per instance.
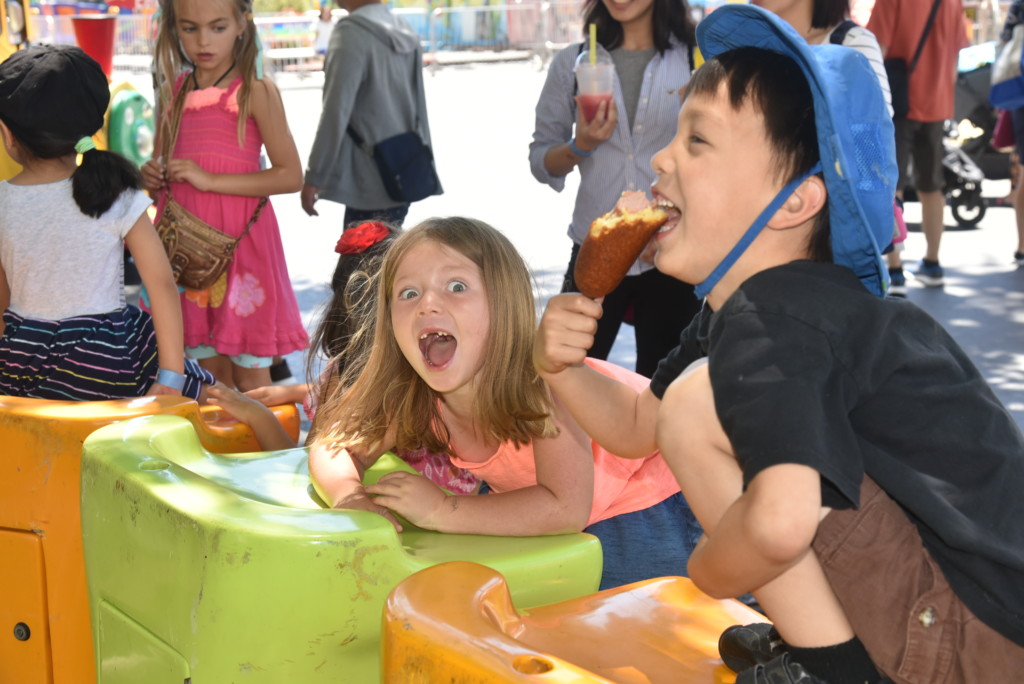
(968, 206)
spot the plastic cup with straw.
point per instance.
(595, 76)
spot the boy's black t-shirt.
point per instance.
(808, 367)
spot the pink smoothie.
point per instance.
(590, 103)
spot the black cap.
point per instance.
(56, 89)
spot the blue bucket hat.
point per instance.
(855, 135)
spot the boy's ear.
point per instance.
(803, 205)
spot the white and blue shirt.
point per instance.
(624, 161)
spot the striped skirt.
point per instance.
(85, 358)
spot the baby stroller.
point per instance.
(962, 179)
(968, 163)
(961, 176)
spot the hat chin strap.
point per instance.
(755, 228)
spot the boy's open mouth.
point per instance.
(673, 214)
(437, 347)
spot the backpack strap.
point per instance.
(838, 34)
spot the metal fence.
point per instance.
(531, 27)
(526, 29)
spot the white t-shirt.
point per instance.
(60, 262)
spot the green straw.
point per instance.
(593, 44)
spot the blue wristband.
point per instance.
(577, 151)
(169, 378)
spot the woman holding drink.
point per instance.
(609, 116)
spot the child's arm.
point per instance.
(151, 260)
(285, 172)
(276, 395)
(615, 416)
(337, 476)
(762, 534)
(559, 503)
(268, 430)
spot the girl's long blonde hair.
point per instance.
(383, 391)
(171, 61)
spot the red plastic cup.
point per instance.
(95, 34)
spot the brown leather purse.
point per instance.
(198, 252)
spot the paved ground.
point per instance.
(481, 117)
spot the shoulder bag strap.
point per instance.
(177, 111)
(924, 35)
(838, 34)
(255, 217)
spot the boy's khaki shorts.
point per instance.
(915, 628)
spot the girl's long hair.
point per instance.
(345, 328)
(171, 61)
(671, 19)
(383, 391)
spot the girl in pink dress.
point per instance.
(250, 315)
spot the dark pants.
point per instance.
(394, 216)
(661, 308)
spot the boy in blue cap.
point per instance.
(848, 463)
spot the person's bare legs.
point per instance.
(250, 378)
(932, 205)
(221, 367)
(800, 601)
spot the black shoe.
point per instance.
(780, 670)
(743, 646)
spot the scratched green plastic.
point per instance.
(228, 569)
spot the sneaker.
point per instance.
(897, 283)
(744, 646)
(779, 670)
(930, 276)
(1018, 257)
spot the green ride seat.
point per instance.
(212, 568)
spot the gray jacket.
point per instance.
(373, 80)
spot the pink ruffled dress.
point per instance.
(252, 309)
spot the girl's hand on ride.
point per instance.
(186, 170)
(590, 134)
(359, 501)
(414, 497)
(276, 395)
(241, 406)
(154, 175)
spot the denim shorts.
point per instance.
(653, 542)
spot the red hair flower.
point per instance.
(360, 238)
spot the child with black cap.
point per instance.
(67, 332)
(848, 463)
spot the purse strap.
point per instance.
(924, 35)
(177, 112)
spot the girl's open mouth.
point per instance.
(437, 347)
